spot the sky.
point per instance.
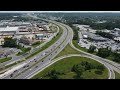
(59, 11)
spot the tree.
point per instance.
(103, 52)
(9, 42)
(88, 65)
(101, 67)
(78, 69)
(105, 34)
(91, 49)
(116, 59)
(53, 74)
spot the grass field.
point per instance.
(117, 75)
(47, 44)
(67, 50)
(65, 66)
(5, 59)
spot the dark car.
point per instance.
(36, 66)
(11, 75)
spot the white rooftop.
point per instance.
(9, 28)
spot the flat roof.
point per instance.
(9, 29)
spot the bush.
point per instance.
(36, 43)
(53, 74)
(116, 59)
(9, 42)
(91, 49)
(103, 52)
(101, 67)
(99, 72)
(88, 65)
(78, 69)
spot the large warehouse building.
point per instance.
(8, 29)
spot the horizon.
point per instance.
(59, 11)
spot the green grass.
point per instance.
(24, 50)
(47, 44)
(75, 43)
(117, 75)
(37, 43)
(90, 74)
(65, 66)
(67, 50)
(5, 59)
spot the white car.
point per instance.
(43, 54)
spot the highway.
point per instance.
(49, 53)
(42, 60)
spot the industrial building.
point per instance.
(92, 36)
(8, 29)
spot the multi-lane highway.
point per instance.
(43, 57)
(29, 68)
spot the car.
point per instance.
(36, 66)
(24, 66)
(43, 54)
(11, 75)
(27, 66)
(15, 71)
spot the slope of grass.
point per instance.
(75, 43)
(67, 50)
(65, 65)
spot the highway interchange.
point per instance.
(39, 62)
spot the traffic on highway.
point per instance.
(30, 67)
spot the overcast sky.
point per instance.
(59, 11)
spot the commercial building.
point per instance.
(25, 41)
(8, 29)
(41, 36)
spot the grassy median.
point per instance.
(15, 63)
(5, 59)
(67, 50)
(37, 43)
(75, 43)
(65, 65)
(47, 44)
